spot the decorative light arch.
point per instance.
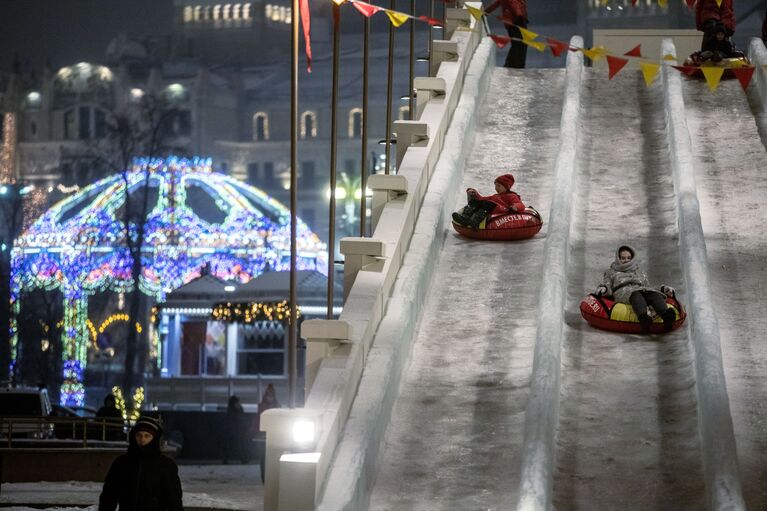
(78, 246)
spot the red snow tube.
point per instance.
(692, 65)
(605, 314)
(505, 227)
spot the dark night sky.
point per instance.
(68, 31)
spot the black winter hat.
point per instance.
(149, 424)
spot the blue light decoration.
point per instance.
(78, 245)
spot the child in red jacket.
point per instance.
(479, 207)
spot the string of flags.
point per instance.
(615, 62)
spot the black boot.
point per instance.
(669, 316)
(645, 321)
(476, 218)
(463, 217)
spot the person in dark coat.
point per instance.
(717, 45)
(142, 479)
(480, 206)
(627, 283)
(236, 431)
(112, 417)
(514, 15)
(708, 14)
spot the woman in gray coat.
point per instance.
(626, 283)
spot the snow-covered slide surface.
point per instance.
(456, 428)
(730, 164)
(628, 435)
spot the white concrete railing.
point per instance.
(717, 438)
(542, 413)
(757, 54)
(337, 349)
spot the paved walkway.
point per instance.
(206, 487)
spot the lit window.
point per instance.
(236, 11)
(309, 125)
(227, 11)
(206, 13)
(197, 13)
(355, 123)
(246, 11)
(188, 14)
(260, 126)
(216, 12)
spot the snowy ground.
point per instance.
(236, 487)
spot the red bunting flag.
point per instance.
(557, 46)
(634, 3)
(500, 40)
(636, 51)
(306, 23)
(366, 9)
(615, 64)
(690, 3)
(744, 75)
(434, 22)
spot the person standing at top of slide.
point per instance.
(515, 12)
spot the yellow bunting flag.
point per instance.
(713, 75)
(649, 71)
(538, 45)
(595, 53)
(527, 35)
(668, 56)
(475, 12)
(397, 18)
(664, 3)
(718, 3)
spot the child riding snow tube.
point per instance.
(605, 314)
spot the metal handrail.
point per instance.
(45, 428)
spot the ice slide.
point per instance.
(727, 130)
(630, 432)
(456, 426)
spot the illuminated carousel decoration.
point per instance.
(197, 218)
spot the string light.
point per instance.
(79, 246)
(249, 313)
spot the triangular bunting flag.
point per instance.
(306, 24)
(397, 18)
(366, 9)
(649, 71)
(615, 64)
(557, 47)
(633, 3)
(595, 53)
(434, 22)
(538, 45)
(664, 3)
(475, 12)
(690, 3)
(636, 51)
(527, 35)
(713, 75)
(668, 57)
(718, 3)
(744, 75)
(500, 40)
